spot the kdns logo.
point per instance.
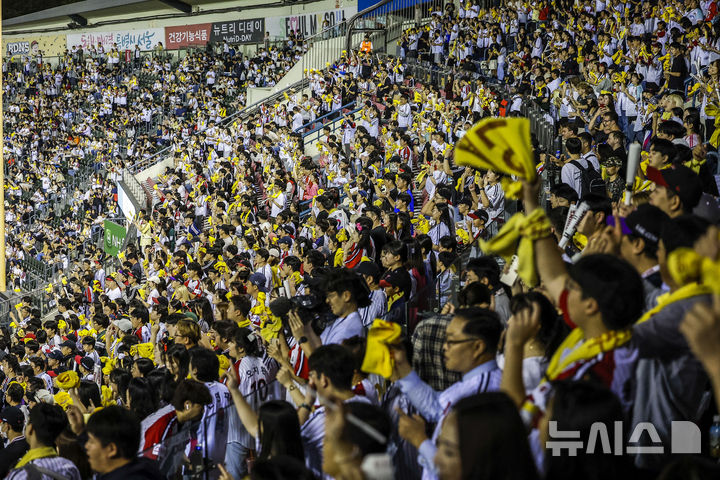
(685, 439)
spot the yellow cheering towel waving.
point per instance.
(378, 358)
(502, 145)
(67, 380)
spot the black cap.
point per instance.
(708, 208)
(86, 362)
(14, 417)
(398, 278)
(69, 344)
(680, 180)
(647, 222)
(368, 268)
(55, 355)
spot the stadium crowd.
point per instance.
(71, 128)
(405, 303)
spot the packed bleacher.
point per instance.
(492, 253)
(74, 126)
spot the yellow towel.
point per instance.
(378, 358)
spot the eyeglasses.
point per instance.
(450, 343)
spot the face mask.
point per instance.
(563, 300)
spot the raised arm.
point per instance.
(550, 266)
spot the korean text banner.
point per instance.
(125, 39)
(238, 31)
(187, 35)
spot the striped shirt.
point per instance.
(312, 433)
(434, 406)
(376, 309)
(59, 465)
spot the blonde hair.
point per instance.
(182, 294)
(189, 329)
(675, 100)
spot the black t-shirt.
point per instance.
(570, 67)
(678, 66)
(10, 455)
(379, 238)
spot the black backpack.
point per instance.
(590, 179)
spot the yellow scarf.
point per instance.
(686, 266)
(695, 164)
(393, 299)
(270, 328)
(687, 291)
(712, 109)
(34, 454)
(244, 217)
(297, 278)
(588, 349)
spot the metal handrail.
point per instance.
(359, 15)
(154, 159)
(307, 125)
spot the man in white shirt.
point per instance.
(277, 201)
(297, 119)
(469, 348)
(112, 290)
(404, 117)
(570, 173)
(331, 375)
(587, 153)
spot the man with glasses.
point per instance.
(471, 341)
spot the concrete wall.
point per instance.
(155, 170)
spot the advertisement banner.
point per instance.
(125, 39)
(307, 23)
(247, 31)
(48, 45)
(113, 238)
(20, 48)
(181, 36)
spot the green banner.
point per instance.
(114, 237)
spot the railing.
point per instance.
(320, 122)
(332, 123)
(17, 61)
(243, 113)
(41, 299)
(385, 21)
(323, 48)
(543, 129)
(138, 195)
